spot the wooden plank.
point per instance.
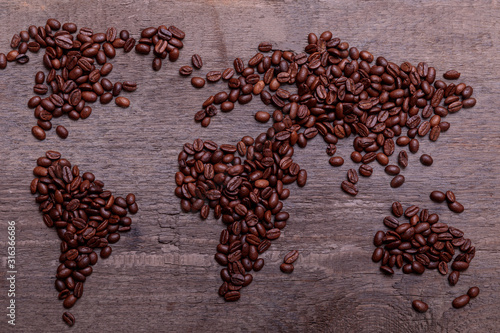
(161, 276)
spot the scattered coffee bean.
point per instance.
(420, 306)
(451, 75)
(438, 196)
(460, 301)
(62, 132)
(197, 61)
(197, 82)
(426, 160)
(286, 268)
(473, 292)
(397, 181)
(68, 318)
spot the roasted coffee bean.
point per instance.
(349, 188)
(197, 82)
(420, 306)
(213, 76)
(38, 132)
(392, 170)
(426, 160)
(185, 70)
(365, 170)
(453, 278)
(473, 292)
(291, 257)
(451, 75)
(197, 61)
(336, 161)
(397, 181)
(403, 159)
(456, 207)
(262, 116)
(286, 268)
(460, 301)
(68, 318)
(122, 102)
(62, 132)
(438, 196)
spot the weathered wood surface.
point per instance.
(162, 276)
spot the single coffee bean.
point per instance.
(392, 170)
(426, 160)
(214, 76)
(197, 82)
(38, 132)
(349, 188)
(291, 257)
(286, 268)
(450, 196)
(397, 209)
(419, 306)
(62, 132)
(262, 116)
(460, 301)
(456, 207)
(122, 102)
(453, 278)
(438, 196)
(397, 181)
(473, 292)
(185, 70)
(378, 254)
(451, 75)
(336, 161)
(68, 318)
(403, 159)
(197, 61)
(386, 270)
(365, 170)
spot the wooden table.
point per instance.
(161, 275)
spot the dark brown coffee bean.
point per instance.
(349, 188)
(286, 268)
(197, 61)
(451, 75)
(352, 176)
(185, 70)
(437, 196)
(3, 61)
(377, 254)
(214, 76)
(336, 161)
(197, 82)
(443, 267)
(68, 318)
(426, 160)
(122, 102)
(38, 132)
(456, 207)
(473, 292)
(62, 132)
(453, 278)
(397, 181)
(291, 257)
(365, 170)
(459, 266)
(403, 159)
(419, 306)
(262, 116)
(232, 296)
(460, 301)
(392, 170)
(386, 270)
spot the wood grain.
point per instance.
(162, 276)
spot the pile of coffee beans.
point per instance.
(343, 92)
(421, 243)
(86, 217)
(165, 42)
(246, 194)
(74, 77)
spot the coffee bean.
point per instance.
(68, 318)
(232, 296)
(286, 268)
(378, 254)
(473, 292)
(443, 267)
(392, 170)
(451, 75)
(122, 102)
(460, 301)
(185, 70)
(365, 170)
(197, 82)
(262, 116)
(403, 159)
(3, 61)
(438, 196)
(349, 188)
(336, 161)
(426, 160)
(397, 181)
(197, 61)
(62, 132)
(213, 76)
(456, 207)
(38, 132)
(453, 278)
(291, 257)
(386, 270)
(420, 306)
